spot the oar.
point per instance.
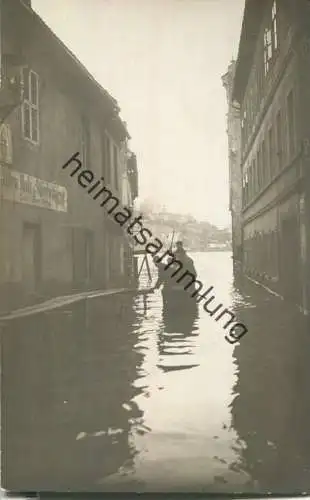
(173, 233)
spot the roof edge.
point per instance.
(70, 54)
(251, 23)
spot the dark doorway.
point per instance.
(31, 257)
(89, 255)
(83, 255)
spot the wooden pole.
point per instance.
(148, 269)
(141, 266)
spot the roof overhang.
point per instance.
(29, 24)
(251, 24)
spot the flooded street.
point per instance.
(170, 140)
(186, 388)
(119, 397)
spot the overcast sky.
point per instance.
(163, 61)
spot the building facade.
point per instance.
(234, 159)
(271, 84)
(54, 238)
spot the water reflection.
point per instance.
(123, 397)
(68, 385)
(188, 376)
(177, 337)
(272, 405)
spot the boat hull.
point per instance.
(178, 300)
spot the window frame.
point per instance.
(271, 152)
(115, 167)
(255, 189)
(291, 124)
(265, 160)
(279, 139)
(267, 45)
(259, 170)
(270, 39)
(108, 156)
(86, 141)
(32, 106)
(274, 25)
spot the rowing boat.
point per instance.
(178, 299)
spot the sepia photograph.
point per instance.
(154, 247)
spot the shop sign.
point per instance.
(23, 188)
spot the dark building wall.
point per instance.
(271, 417)
(235, 175)
(69, 121)
(273, 181)
(302, 51)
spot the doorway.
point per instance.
(31, 257)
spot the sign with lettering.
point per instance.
(23, 188)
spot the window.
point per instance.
(254, 177)
(271, 156)
(246, 188)
(250, 182)
(264, 164)
(291, 123)
(270, 39)
(244, 126)
(243, 119)
(274, 25)
(106, 170)
(279, 139)
(252, 97)
(267, 49)
(89, 254)
(259, 171)
(30, 105)
(115, 166)
(243, 190)
(85, 142)
(247, 114)
(108, 159)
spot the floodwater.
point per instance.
(116, 396)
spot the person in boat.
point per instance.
(164, 280)
(161, 275)
(188, 263)
(165, 276)
(181, 255)
(173, 293)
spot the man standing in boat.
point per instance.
(181, 255)
(163, 275)
(160, 272)
(167, 272)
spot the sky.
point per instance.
(162, 60)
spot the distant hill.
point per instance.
(196, 235)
